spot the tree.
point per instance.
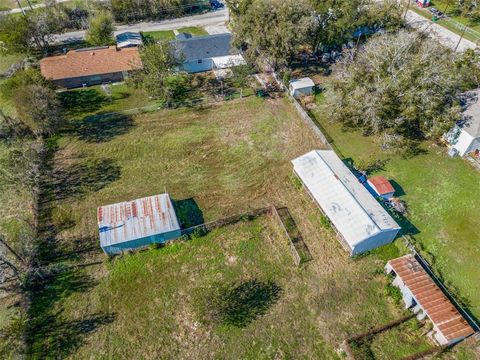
(39, 108)
(339, 21)
(273, 29)
(240, 76)
(21, 78)
(14, 35)
(159, 74)
(400, 86)
(100, 30)
(34, 31)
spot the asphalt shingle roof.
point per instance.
(203, 47)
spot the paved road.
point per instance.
(443, 35)
(213, 21)
(27, 8)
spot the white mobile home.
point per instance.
(464, 137)
(361, 222)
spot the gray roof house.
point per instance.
(205, 53)
(464, 137)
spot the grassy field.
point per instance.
(396, 343)
(169, 35)
(193, 30)
(441, 194)
(119, 97)
(166, 35)
(219, 161)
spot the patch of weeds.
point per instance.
(325, 222)
(297, 183)
(393, 292)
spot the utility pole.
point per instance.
(406, 11)
(21, 8)
(461, 37)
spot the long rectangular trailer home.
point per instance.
(138, 223)
(361, 222)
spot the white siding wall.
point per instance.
(375, 241)
(195, 66)
(463, 142)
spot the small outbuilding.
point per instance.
(361, 222)
(138, 223)
(301, 87)
(464, 137)
(128, 39)
(206, 53)
(426, 299)
(381, 187)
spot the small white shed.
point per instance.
(301, 87)
(464, 137)
(361, 222)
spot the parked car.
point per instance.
(215, 4)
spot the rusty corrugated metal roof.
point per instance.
(136, 219)
(382, 185)
(436, 305)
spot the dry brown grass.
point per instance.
(229, 159)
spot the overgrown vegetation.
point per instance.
(274, 31)
(400, 87)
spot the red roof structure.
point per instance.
(90, 61)
(445, 317)
(382, 185)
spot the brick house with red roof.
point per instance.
(90, 66)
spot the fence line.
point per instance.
(206, 227)
(300, 251)
(439, 282)
(302, 113)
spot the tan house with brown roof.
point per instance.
(90, 66)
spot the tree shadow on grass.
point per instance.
(81, 178)
(102, 127)
(83, 101)
(188, 213)
(241, 303)
(48, 334)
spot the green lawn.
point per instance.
(442, 197)
(166, 35)
(220, 160)
(396, 343)
(193, 30)
(95, 100)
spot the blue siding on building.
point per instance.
(142, 242)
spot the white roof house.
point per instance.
(303, 86)
(465, 135)
(137, 223)
(360, 220)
